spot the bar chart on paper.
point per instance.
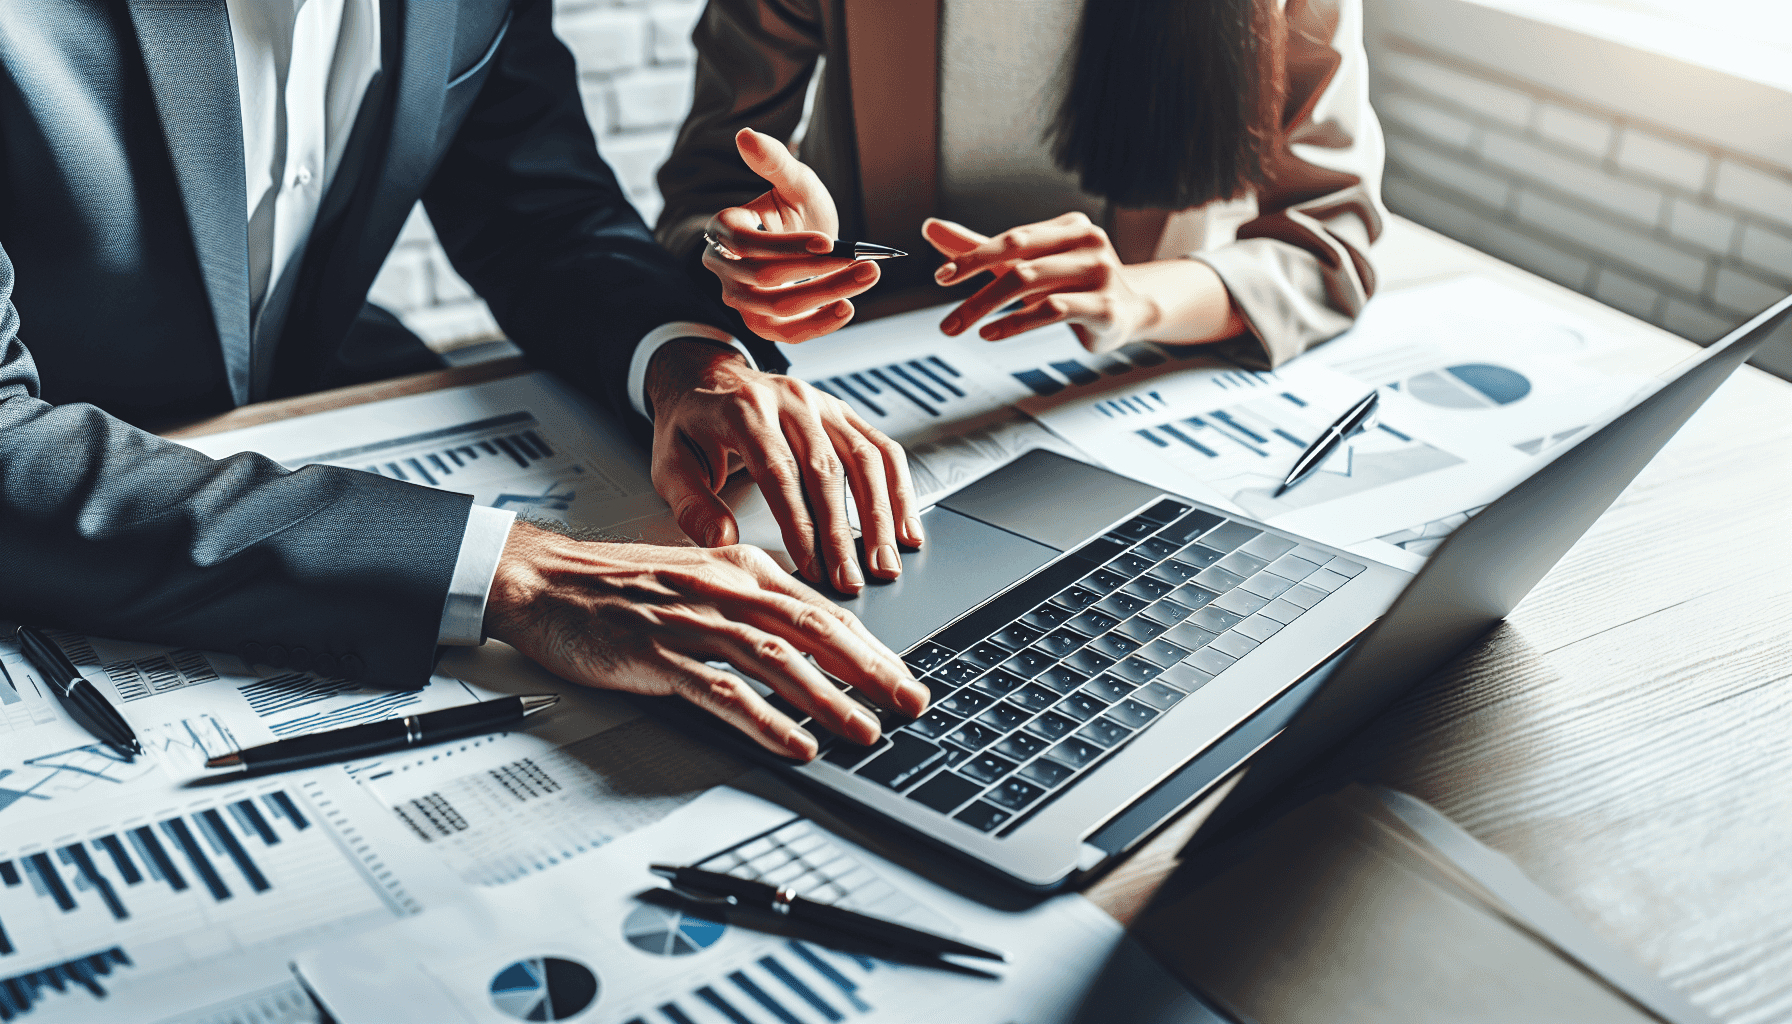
(80, 915)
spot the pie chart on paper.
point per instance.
(1469, 386)
(666, 931)
(544, 988)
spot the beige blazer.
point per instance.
(1298, 269)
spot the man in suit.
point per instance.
(197, 195)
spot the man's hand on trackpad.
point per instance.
(713, 413)
(645, 618)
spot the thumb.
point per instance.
(686, 478)
(771, 160)
(951, 238)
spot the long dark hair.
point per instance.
(1171, 103)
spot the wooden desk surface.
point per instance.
(1626, 735)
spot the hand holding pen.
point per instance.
(778, 258)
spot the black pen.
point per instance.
(83, 700)
(376, 738)
(843, 250)
(744, 892)
(1328, 442)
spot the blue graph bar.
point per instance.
(422, 473)
(1226, 418)
(823, 386)
(921, 367)
(801, 988)
(866, 402)
(840, 981)
(250, 815)
(202, 866)
(8, 874)
(942, 364)
(127, 869)
(77, 855)
(1153, 438)
(723, 1006)
(1290, 438)
(762, 997)
(1291, 397)
(1076, 372)
(924, 389)
(5, 943)
(860, 380)
(215, 823)
(1176, 432)
(160, 864)
(676, 1015)
(38, 865)
(21, 992)
(1394, 432)
(1039, 381)
(284, 807)
(899, 389)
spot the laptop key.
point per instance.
(934, 724)
(1211, 661)
(1185, 677)
(1063, 642)
(1141, 629)
(1193, 596)
(1157, 548)
(1029, 663)
(997, 683)
(908, 758)
(937, 688)
(1051, 726)
(1093, 622)
(986, 654)
(1016, 636)
(1114, 645)
(1242, 564)
(1326, 580)
(954, 754)
(1149, 588)
(1215, 620)
(1267, 584)
(1293, 567)
(1103, 732)
(1175, 572)
(1059, 679)
(1283, 610)
(1240, 602)
(1136, 528)
(1137, 670)
(1167, 612)
(1258, 627)
(982, 817)
(1047, 773)
(959, 671)
(1016, 794)
(1190, 636)
(965, 703)
(927, 656)
(945, 792)
(1344, 567)
(973, 736)
(1108, 688)
(1076, 598)
(1130, 565)
(1020, 746)
(987, 768)
(1190, 526)
(1200, 556)
(1162, 651)
(1229, 537)
(1269, 546)
(1235, 644)
(1081, 706)
(1074, 753)
(1102, 581)
(1122, 605)
(847, 755)
(1165, 511)
(1132, 713)
(1304, 595)
(1217, 579)
(1047, 617)
(1089, 662)
(1004, 717)
(1157, 695)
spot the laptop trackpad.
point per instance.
(963, 564)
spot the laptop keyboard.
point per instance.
(1037, 687)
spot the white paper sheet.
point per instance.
(576, 943)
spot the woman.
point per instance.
(1179, 170)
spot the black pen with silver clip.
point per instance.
(746, 893)
(376, 738)
(80, 698)
(843, 250)
(1328, 442)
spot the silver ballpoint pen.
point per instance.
(1328, 442)
(843, 250)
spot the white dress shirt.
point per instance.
(303, 67)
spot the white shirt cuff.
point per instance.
(637, 367)
(463, 613)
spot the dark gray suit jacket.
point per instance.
(123, 211)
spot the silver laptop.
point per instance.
(1101, 653)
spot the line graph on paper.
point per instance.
(71, 772)
(275, 698)
(188, 742)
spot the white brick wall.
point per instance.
(1662, 224)
(634, 60)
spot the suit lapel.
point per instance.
(191, 64)
(419, 88)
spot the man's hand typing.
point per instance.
(645, 618)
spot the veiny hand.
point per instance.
(713, 413)
(777, 238)
(645, 618)
(1065, 270)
